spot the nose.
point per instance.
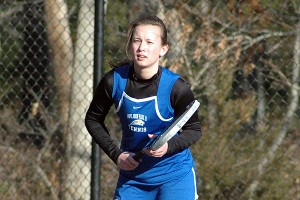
(142, 46)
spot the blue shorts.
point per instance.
(183, 188)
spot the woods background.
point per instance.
(241, 58)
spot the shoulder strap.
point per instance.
(120, 81)
(165, 87)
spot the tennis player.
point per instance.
(146, 96)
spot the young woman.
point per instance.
(146, 96)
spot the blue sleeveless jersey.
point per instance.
(151, 115)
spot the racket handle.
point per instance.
(137, 157)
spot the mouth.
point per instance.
(141, 57)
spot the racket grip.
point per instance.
(137, 157)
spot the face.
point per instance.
(146, 46)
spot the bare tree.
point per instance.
(62, 51)
(270, 154)
(79, 152)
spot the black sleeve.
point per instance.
(96, 114)
(181, 97)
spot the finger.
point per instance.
(126, 162)
(152, 135)
(132, 163)
(128, 166)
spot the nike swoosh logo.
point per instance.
(136, 107)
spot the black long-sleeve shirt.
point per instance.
(181, 96)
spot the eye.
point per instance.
(136, 41)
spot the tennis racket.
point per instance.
(172, 130)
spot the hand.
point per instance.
(126, 162)
(159, 152)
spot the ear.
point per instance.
(164, 49)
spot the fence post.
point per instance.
(98, 65)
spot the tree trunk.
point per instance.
(79, 142)
(62, 51)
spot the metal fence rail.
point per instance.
(241, 58)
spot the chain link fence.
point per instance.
(241, 58)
